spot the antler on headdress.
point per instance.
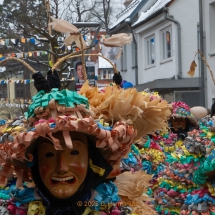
(65, 27)
(19, 60)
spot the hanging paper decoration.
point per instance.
(23, 54)
(23, 40)
(22, 81)
(32, 41)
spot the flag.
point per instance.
(23, 40)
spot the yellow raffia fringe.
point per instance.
(132, 188)
(130, 106)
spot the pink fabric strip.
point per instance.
(68, 139)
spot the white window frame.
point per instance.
(164, 51)
(124, 59)
(184, 91)
(212, 28)
(108, 72)
(148, 51)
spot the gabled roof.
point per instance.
(129, 12)
(159, 5)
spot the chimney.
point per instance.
(126, 3)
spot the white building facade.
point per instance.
(127, 64)
(167, 35)
(208, 9)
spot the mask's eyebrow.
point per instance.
(77, 139)
(80, 140)
(45, 142)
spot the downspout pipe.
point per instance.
(167, 17)
(202, 71)
(128, 21)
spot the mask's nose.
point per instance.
(62, 166)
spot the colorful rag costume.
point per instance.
(109, 128)
(184, 186)
(67, 161)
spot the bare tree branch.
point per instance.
(29, 18)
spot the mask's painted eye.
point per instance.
(74, 152)
(49, 154)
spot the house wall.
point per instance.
(161, 69)
(12, 90)
(209, 42)
(128, 61)
(186, 12)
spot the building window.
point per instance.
(150, 46)
(107, 74)
(166, 42)
(19, 89)
(104, 74)
(185, 96)
(3, 91)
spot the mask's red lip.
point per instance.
(70, 180)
